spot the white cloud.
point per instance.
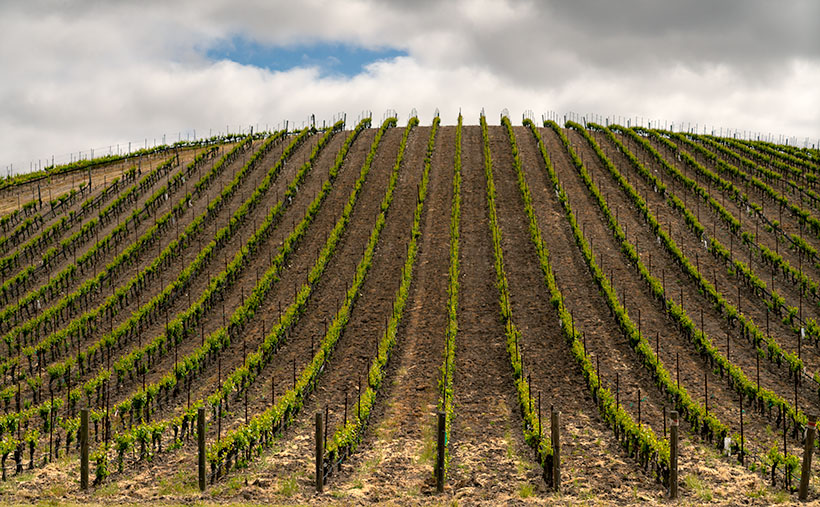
(81, 75)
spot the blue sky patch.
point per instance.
(330, 58)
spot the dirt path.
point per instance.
(487, 453)
(395, 459)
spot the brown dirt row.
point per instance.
(674, 347)
(741, 351)
(394, 458)
(403, 424)
(487, 453)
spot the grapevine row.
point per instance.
(194, 362)
(53, 317)
(639, 440)
(445, 402)
(807, 285)
(748, 328)
(95, 385)
(258, 433)
(32, 224)
(700, 419)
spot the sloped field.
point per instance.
(382, 274)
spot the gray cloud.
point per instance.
(83, 74)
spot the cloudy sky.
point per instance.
(90, 74)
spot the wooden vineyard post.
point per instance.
(673, 455)
(200, 440)
(785, 450)
(706, 391)
(555, 436)
(757, 366)
(320, 451)
(742, 437)
(50, 425)
(664, 421)
(440, 454)
(808, 448)
(84, 449)
(639, 407)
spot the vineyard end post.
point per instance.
(440, 453)
(673, 455)
(84, 449)
(320, 452)
(200, 438)
(555, 435)
(805, 473)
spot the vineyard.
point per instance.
(510, 313)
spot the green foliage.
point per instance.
(448, 367)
